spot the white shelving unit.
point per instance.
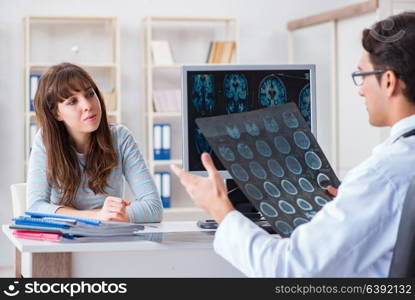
(189, 39)
(90, 42)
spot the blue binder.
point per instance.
(166, 141)
(33, 83)
(39, 215)
(162, 141)
(157, 140)
(165, 189)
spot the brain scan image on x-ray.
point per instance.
(290, 120)
(301, 140)
(245, 151)
(282, 145)
(293, 165)
(275, 168)
(257, 170)
(226, 153)
(305, 185)
(263, 148)
(251, 128)
(323, 180)
(289, 187)
(271, 189)
(270, 124)
(312, 160)
(239, 172)
(268, 210)
(275, 161)
(233, 132)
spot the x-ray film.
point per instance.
(276, 162)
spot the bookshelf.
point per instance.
(50, 40)
(190, 40)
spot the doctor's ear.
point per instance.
(391, 82)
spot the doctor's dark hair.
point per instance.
(63, 166)
(391, 45)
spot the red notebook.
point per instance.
(37, 235)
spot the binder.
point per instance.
(103, 229)
(39, 222)
(33, 82)
(48, 217)
(166, 142)
(157, 136)
(157, 181)
(162, 141)
(163, 186)
(165, 189)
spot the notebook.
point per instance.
(36, 235)
(68, 229)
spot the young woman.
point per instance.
(78, 159)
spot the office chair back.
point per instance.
(18, 191)
(403, 259)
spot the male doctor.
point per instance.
(354, 234)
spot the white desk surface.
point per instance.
(202, 240)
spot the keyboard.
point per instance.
(211, 224)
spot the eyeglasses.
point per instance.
(358, 76)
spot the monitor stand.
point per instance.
(241, 204)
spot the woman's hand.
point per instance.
(114, 209)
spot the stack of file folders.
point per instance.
(50, 226)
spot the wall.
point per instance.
(357, 136)
(321, 55)
(263, 40)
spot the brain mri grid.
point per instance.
(276, 162)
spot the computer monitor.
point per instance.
(211, 90)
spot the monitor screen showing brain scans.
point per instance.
(220, 92)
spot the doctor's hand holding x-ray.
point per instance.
(210, 193)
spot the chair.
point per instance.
(403, 259)
(18, 191)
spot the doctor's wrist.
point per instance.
(222, 210)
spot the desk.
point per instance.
(180, 249)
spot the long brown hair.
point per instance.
(63, 167)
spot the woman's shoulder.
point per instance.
(38, 140)
(119, 132)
